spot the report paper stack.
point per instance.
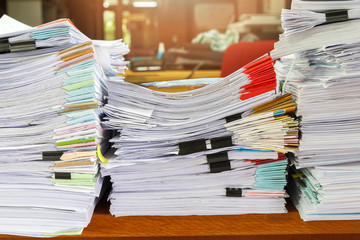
(329, 192)
(319, 65)
(214, 150)
(51, 87)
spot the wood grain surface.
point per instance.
(245, 227)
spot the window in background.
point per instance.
(125, 31)
(112, 19)
(109, 25)
(109, 20)
(140, 26)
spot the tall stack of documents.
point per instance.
(50, 89)
(219, 149)
(319, 65)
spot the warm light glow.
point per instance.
(145, 4)
(108, 3)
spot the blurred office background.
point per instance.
(143, 24)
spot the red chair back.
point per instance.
(242, 53)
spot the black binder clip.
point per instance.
(233, 117)
(52, 155)
(217, 167)
(22, 46)
(218, 162)
(192, 146)
(221, 142)
(61, 175)
(336, 16)
(4, 45)
(217, 157)
(233, 192)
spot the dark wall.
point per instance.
(2, 7)
(87, 17)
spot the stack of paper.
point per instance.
(50, 89)
(205, 151)
(322, 5)
(329, 192)
(320, 67)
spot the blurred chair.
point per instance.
(242, 53)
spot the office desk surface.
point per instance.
(168, 75)
(245, 227)
(155, 76)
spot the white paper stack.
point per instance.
(183, 154)
(320, 66)
(329, 192)
(50, 91)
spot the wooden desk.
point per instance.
(245, 227)
(167, 75)
(156, 76)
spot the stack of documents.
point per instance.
(319, 65)
(328, 192)
(50, 89)
(214, 150)
(322, 5)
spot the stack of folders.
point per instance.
(219, 149)
(320, 66)
(50, 89)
